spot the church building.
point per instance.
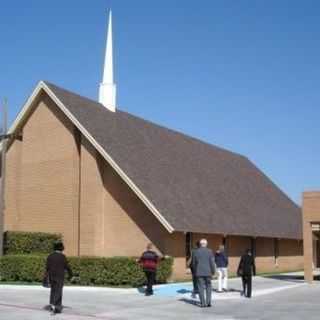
(111, 182)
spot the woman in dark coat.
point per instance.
(56, 266)
(246, 269)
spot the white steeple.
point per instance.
(107, 90)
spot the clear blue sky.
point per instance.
(244, 75)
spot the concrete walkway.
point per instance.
(273, 298)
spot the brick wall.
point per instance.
(265, 255)
(13, 186)
(175, 246)
(56, 182)
(290, 256)
(91, 202)
(236, 247)
(42, 176)
(128, 223)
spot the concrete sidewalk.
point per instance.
(261, 286)
(276, 298)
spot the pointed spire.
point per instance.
(107, 90)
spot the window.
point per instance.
(224, 240)
(253, 247)
(276, 250)
(188, 245)
(225, 244)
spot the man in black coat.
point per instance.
(195, 290)
(246, 269)
(204, 268)
(56, 266)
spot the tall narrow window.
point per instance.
(225, 243)
(253, 247)
(188, 245)
(276, 250)
(224, 240)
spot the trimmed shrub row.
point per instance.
(115, 271)
(17, 242)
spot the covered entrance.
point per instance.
(316, 245)
(311, 234)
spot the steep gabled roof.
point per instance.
(189, 185)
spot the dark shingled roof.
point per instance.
(196, 186)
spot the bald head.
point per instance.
(203, 243)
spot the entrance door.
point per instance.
(316, 249)
(318, 254)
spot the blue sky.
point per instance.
(243, 75)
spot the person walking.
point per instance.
(221, 261)
(246, 269)
(203, 264)
(56, 266)
(149, 262)
(195, 290)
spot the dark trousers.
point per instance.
(247, 285)
(194, 281)
(204, 285)
(56, 294)
(151, 279)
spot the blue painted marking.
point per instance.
(173, 290)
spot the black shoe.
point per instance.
(56, 309)
(47, 307)
(209, 305)
(53, 310)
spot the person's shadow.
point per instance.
(285, 277)
(227, 291)
(48, 307)
(190, 301)
(183, 291)
(141, 290)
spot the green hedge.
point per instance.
(16, 242)
(115, 271)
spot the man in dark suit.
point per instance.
(246, 269)
(56, 266)
(204, 268)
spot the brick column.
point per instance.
(307, 251)
(310, 215)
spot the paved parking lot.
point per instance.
(273, 298)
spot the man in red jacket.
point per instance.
(149, 262)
